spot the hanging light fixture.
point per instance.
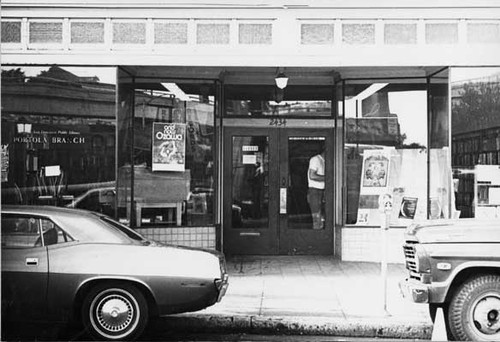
(281, 80)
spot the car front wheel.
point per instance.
(474, 312)
(115, 312)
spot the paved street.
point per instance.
(261, 338)
(45, 332)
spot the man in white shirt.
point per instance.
(316, 183)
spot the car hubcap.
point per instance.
(114, 313)
(486, 314)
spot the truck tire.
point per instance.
(474, 311)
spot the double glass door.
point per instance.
(271, 204)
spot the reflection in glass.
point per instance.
(250, 182)
(385, 149)
(173, 137)
(58, 136)
(262, 100)
(475, 131)
(306, 200)
(441, 203)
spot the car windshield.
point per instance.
(122, 228)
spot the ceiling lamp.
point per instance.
(281, 80)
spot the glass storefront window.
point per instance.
(385, 150)
(441, 202)
(265, 100)
(475, 131)
(58, 136)
(167, 129)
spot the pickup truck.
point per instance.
(455, 265)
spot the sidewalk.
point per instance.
(310, 295)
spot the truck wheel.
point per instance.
(474, 312)
(115, 311)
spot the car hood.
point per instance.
(455, 231)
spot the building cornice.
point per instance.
(262, 4)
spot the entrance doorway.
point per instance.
(268, 206)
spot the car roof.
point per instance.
(45, 210)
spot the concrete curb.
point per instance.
(326, 326)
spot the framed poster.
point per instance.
(374, 182)
(169, 146)
(375, 170)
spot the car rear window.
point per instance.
(122, 228)
(91, 228)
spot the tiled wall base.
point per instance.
(201, 237)
(365, 244)
(358, 244)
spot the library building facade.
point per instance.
(271, 127)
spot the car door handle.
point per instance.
(31, 261)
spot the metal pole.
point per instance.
(383, 265)
(385, 206)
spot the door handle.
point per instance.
(31, 261)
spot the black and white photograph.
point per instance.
(236, 170)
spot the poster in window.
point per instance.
(375, 171)
(169, 146)
(5, 162)
(363, 216)
(408, 207)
